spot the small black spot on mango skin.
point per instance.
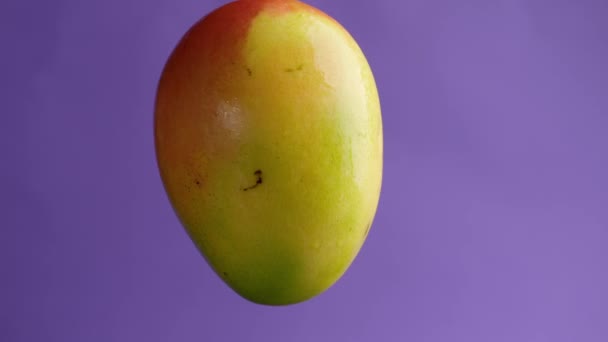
(258, 181)
(197, 178)
(249, 72)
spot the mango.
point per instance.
(268, 139)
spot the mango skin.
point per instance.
(268, 137)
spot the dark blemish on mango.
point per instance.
(249, 72)
(258, 181)
(298, 68)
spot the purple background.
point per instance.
(492, 224)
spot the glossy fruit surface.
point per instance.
(268, 137)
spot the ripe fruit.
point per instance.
(269, 142)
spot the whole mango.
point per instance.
(268, 137)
